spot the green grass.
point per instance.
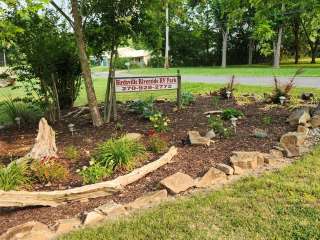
(99, 69)
(286, 70)
(280, 205)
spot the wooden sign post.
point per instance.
(142, 84)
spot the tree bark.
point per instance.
(296, 30)
(166, 58)
(91, 96)
(251, 46)
(314, 51)
(277, 49)
(225, 34)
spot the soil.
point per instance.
(192, 160)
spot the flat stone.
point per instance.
(213, 176)
(133, 136)
(293, 143)
(260, 133)
(93, 218)
(178, 182)
(299, 116)
(238, 170)
(225, 168)
(247, 160)
(315, 121)
(303, 129)
(210, 135)
(196, 139)
(276, 153)
(28, 231)
(64, 226)
(270, 159)
(148, 200)
(112, 209)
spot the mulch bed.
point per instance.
(192, 160)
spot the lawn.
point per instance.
(196, 88)
(280, 205)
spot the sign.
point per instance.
(141, 84)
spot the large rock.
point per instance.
(225, 168)
(64, 226)
(213, 176)
(299, 116)
(112, 209)
(28, 231)
(93, 218)
(148, 200)
(293, 143)
(247, 160)
(315, 121)
(45, 146)
(178, 182)
(196, 139)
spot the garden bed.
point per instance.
(193, 160)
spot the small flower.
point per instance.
(91, 162)
(78, 170)
(84, 167)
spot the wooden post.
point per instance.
(114, 97)
(179, 91)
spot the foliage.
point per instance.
(215, 101)
(160, 122)
(187, 98)
(49, 171)
(157, 145)
(15, 108)
(72, 153)
(156, 61)
(229, 113)
(217, 125)
(94, 173)
(145, 108)
(267, 120)
(13, 176)
(119, 153)
(223, 92)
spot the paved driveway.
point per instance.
(313, 82)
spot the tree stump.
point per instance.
(45, 146)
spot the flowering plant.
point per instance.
(160, 122)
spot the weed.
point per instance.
(157, 145)
(72, 153)
(187, 98)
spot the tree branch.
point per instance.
(62, 13)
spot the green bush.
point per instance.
(156, 61)
(72, 153)
(229, 113)
(160, 122)
(145, 108)
(94, 173)
(49, 171)
(187, 98)
(121, 153)
(13, 176)
(217, 125)
(157, 145)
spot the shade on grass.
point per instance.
(279, 205)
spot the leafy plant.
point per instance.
(71, 152)
(157, 145)
(119, 153)
(46, 171)
(217, 125)
(187, 98)
(145, 108)
(215, 101)
(13, 176)
(266, 120)
(229, 113)
(160, 122)
(94, 173)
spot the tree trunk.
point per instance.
(277, 49)
(224, 47)
(166, 58)
(91, 96)
(296, 30)
(251, 45)
(314, 51)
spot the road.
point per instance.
(313, 82)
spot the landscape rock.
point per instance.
(64, 226)
(270, 159)
(247, 160)
(28, 231)
(196, 139)
(133, 136)
(112, 209)
(225, 168)
(260, 133)
(210, 135)
(299, 116)
(238, 170)
(276, 153)
(178, 182)
(293, 143)
(213, 176)
(148, 200)
(315, 121)
(93, 218)
(303, 129)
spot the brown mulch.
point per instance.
(193, 160)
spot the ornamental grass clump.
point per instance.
(119, 153)
(13, 176)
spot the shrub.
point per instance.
(94, 173)
(187, 98)
(46, 171)
(13, 176)
(145, 108)
(119, 153)
(160, 122)
(157, 145)
(217, 125)
(72, 153)
(229, 113)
